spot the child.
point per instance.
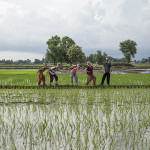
(40, 74)
(91, 77)
(74, 69)
(52, 73)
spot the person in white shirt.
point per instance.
(52, 73)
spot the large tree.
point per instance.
(57, 48)
(52, 52)
(128, 48)
(100, 58)
(66, 43)
(75, 54)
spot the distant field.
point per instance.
(13, 66)
(29, 77)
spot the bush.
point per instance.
(121, 64)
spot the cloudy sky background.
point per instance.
(26, 25)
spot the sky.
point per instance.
(26, 25)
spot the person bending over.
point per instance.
(40, 74)
(52, 73)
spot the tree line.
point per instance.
(65, 50)
(92, 58)
(27, 61)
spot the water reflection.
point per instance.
(132, 71)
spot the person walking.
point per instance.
(74, 69)
(91, 77)
(107, 71)
(52, 73)
(40, 74)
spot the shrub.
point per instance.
(121, 64)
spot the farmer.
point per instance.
(107, 71)
(52, 73)
(91, 77)
(40, 74)
(74, 69)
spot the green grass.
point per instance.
(29, 77)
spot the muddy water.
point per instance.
(120, 71)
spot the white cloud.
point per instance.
(93, 24)
(19, 55)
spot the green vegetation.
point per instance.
(29, 77)
(57, 49)
(122, 64)
(75, 119)
(128, 48)
(98, 57)
(75, 54)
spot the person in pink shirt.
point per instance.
(74, 69)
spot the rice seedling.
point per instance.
(75, 118)
(27, 77)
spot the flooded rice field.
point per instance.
(67, 119)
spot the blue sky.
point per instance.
(26, 25)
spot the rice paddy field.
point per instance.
(28, 77)
(72, 119)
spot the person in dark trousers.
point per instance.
(52, 73)
(107, 71)
(91, 77)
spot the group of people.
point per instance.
(89, 69)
